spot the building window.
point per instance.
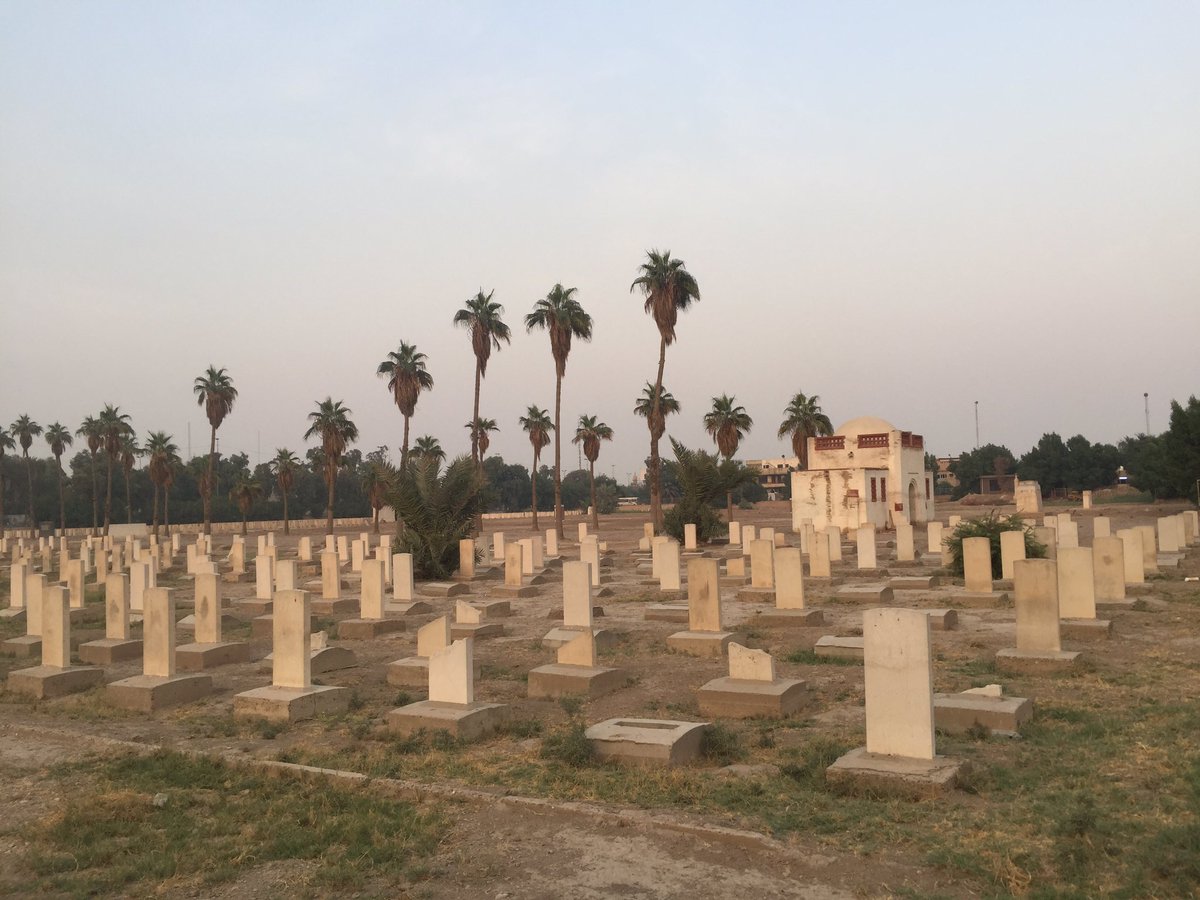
(874, 491)
(926, 488)
(883, 489)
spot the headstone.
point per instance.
(833, 535)
(1035, 590)
(735, 533)
(498, 545)
(977, 564)
(865, 537)
(668, 566)
(264, 577)
(56, 628)
(905, 549)
(513, 558)
(1168, 534)
(158, 634)
(762, 564)
(1132, 555)
(750, 665)
(139, 576)
(1101, 527)
(285, 575)
(291, 626)
(689, 536)
(74, 578)
(898, 682)
(1012, 548)
(552, 542)
(1068, 534)
(451, 679)
(402, 577)
(577, 595)
(466, 558)
(433, 637)
(331, 577)
(1076, 583)
(589, 552)
(371, 598)
(1149, 548)
(304, 551)
(818, 558)
(704, 595)
(116, 607)
(581, 531)
(1108, 556)
(789, 578)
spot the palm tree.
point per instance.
(590, 433)
(284, 467)
(6, 443)
(428, 447)
(656, 413)
(407, 377)
(438, 510)
(727, 424)
(214, 391)
(162, 454)
(59, 439)
(560, 314)
(537, 424)
(330, 421)
(173, 465)
(90, 430)
(130, 451)
(802, 419)
(479, 434)
(244, 492)
(482, 317)
(25, 430)
(378, 480)
(114, 425)
(669, 289)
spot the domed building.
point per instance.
(868, 471)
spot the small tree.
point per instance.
(703, 480)
(991, 527)
(438, 510)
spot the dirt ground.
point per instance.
(499, 847)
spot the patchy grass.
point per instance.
(810, 658)
(215, 822)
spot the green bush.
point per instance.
(991, 527)
(438, 510)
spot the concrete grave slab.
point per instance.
(647, 742)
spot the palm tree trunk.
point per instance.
(654, 474)
(244, 524)
(558, 510)
(155, 514)
(475, 453)
(803, 454)
(128, 499)
(62, 498)
(212, 460)
(95, 501)
(331, 479)
(108, 497)
(728, 507)
(2, 485)
(595, 509)
(167, 508)
(404, 447)
(285, 514)
(376, 519)
(533, 491)
(29, 472)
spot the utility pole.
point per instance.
(1146, 399)
(976, 424)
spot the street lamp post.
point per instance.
(976, 424)
(1146, 399)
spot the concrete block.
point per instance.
(1023, 662)
(29, 646)
(147, 693)
(799, 618)
(279, 704)
(647, 742)
(870, 593)
(736, 698)
(465, 722)
(458, 631)
(757, 595)
(840, 647)
(413, 671)
(914, 582)
(106, 651)
(942, 619)
(702, 643)
(554, 680)
(958, 713)
(416, 608)
(1085, 629)
(979, 599)
(48, 682)
(860, 772)
(199, 657)
(667, 612)
(513, 592)
(556, 637)
(342, 606)
(367, 629)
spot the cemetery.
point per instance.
(804, 696)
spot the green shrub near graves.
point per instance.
(991, 527)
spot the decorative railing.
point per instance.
(912, 441)
(837, 442)
(872, 440)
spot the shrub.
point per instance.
(991, 527)
(438, 510)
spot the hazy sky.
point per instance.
(901, 207)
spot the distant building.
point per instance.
(867, 472)
(773, 474)
(945, 471)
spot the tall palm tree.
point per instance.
(25, 430)
(590, 433)
(130, 451)
(114, 425)
(162, 454)
(378, 479)
(802, 419)
(538, 426)
(173, 465)
(284, 467)
(669, 289)
(90, 431)
(407, 377)
(560, 314)
(6, 443)
(428, 447)
(480, 430)
(727, 423)
(656, 413)
(244, 492)
(59, 438)
(482, 317)
(330, 421)
(214, 391)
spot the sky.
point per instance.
(902, 208)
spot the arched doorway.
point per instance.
(912, 503)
